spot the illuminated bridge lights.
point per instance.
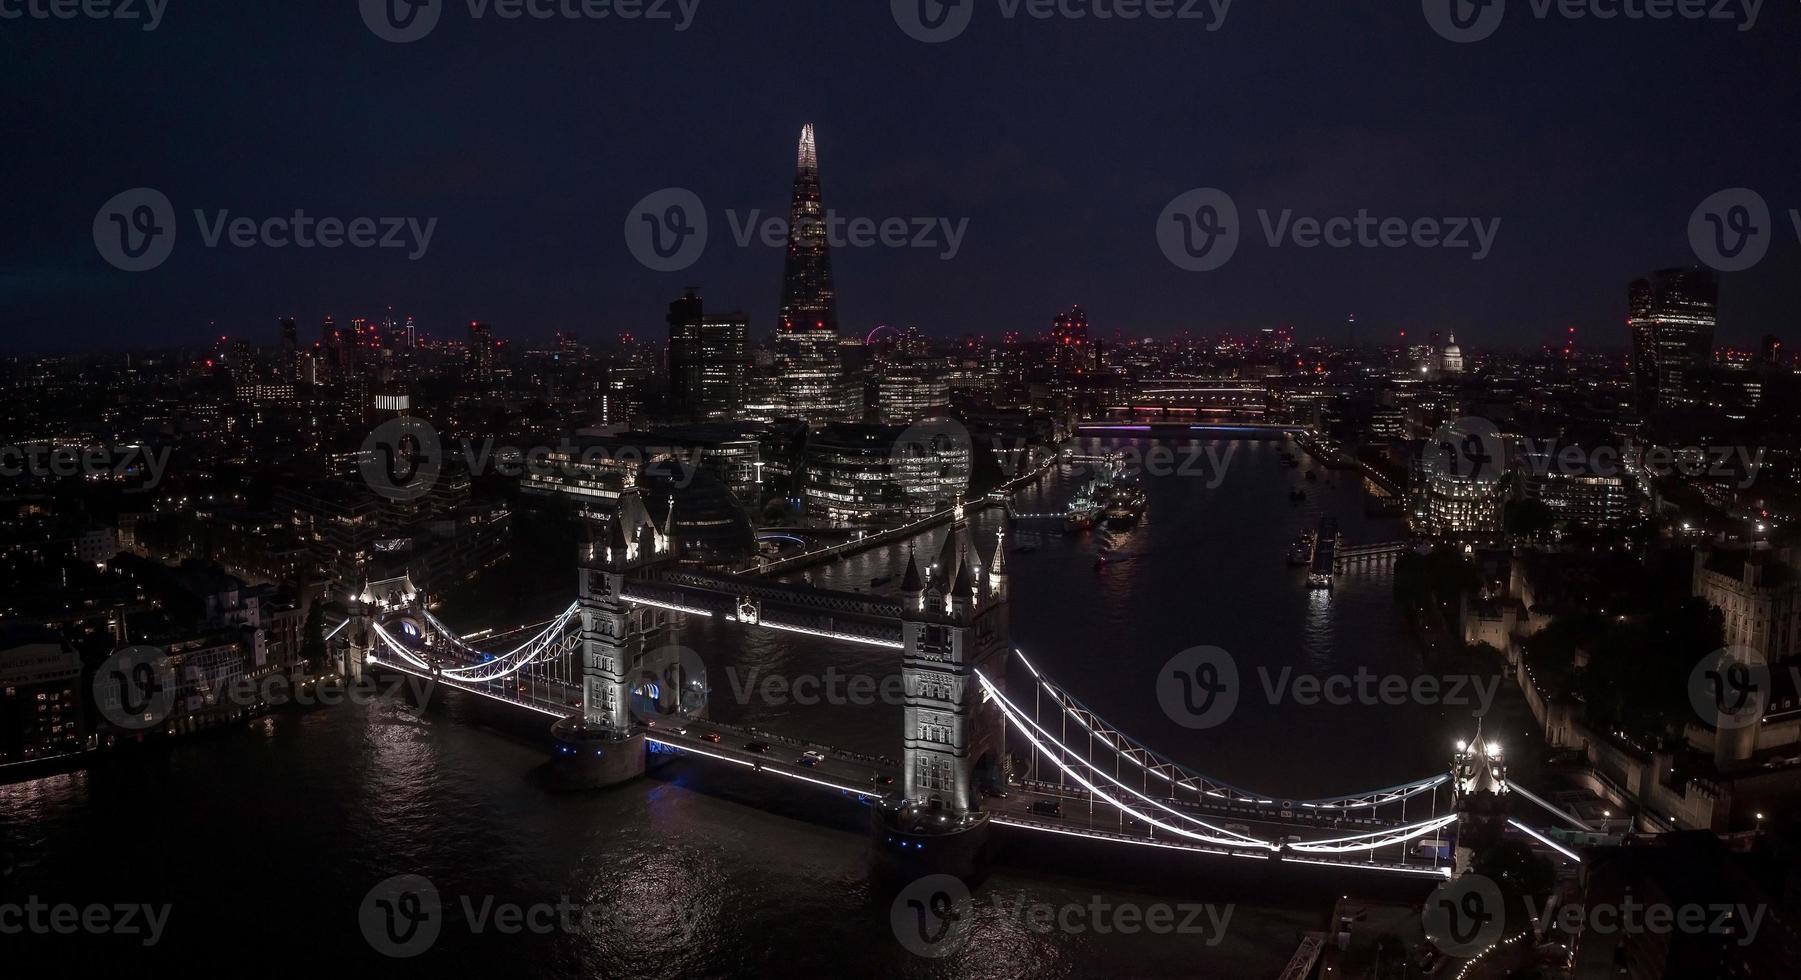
(1202, 785)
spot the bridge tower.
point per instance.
(953, 623)
(1479, 785)
(603, 745)
(357, 639)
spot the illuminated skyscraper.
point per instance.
(481, 353)
(809, 370)
(1672, 316)
(1069, 339)
(709, 362)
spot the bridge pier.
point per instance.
(909, 842)
(595, 758)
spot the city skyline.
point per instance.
(513, 182)
(1017, 488)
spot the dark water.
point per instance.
(264, 842)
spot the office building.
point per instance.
(709, 362)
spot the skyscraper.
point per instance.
(481, 353)
(1672, 315)
(709, 362)
(806, 344)
(1070, 329)
(1069, 338)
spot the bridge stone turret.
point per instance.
(1479, 784)
(603, 745)
(953, 623)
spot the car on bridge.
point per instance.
(758, 747)
(710, 736)
(1047, 808)
(881, 779)
(810, 759)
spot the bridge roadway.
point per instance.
(850, 772)
(868, 777)
(1102, 821)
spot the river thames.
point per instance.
(262, 843)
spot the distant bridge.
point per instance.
(1370, 554)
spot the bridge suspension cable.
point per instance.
(520, 658)
(1170, 772)
(399, 651)
(509, 663)
(1246, 838)
(1026, 726)
(1374, 839)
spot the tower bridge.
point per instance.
(609, 669)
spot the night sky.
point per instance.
(1059, 141)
